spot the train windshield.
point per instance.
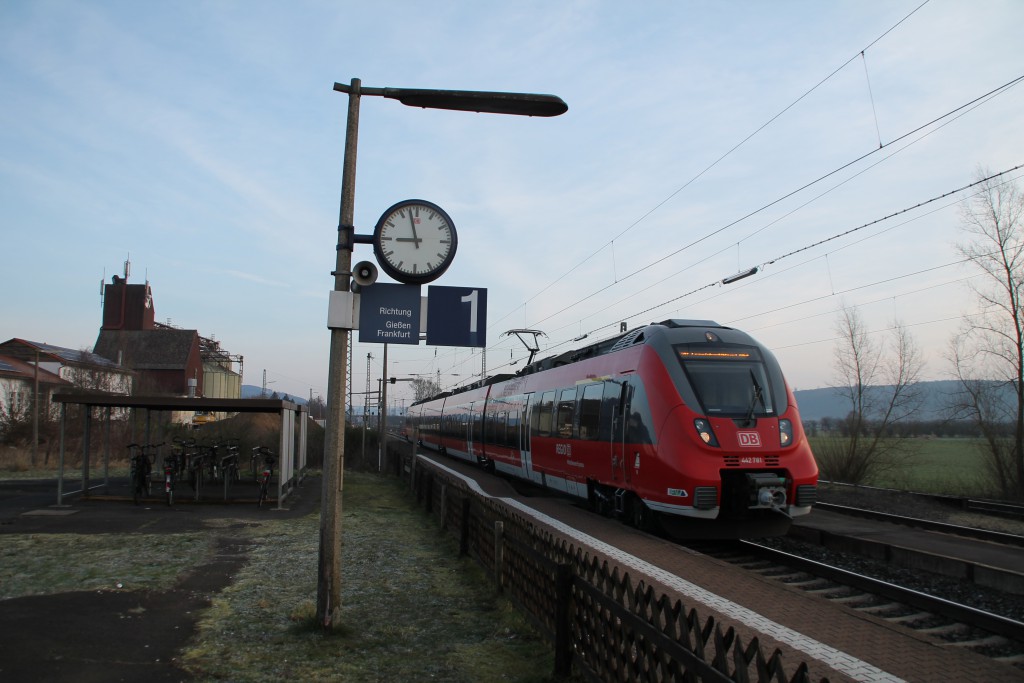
(728, 381)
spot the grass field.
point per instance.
(947, 466)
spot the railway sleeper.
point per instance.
(1013, 660)
(855, 599)
(812, 582)
(884, 607)
(910, 618)
(946, 629)
(780, 573)
(987, 641)
(757, 565)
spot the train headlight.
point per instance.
(785, 433)
(704, 430)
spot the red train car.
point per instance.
(683, 423)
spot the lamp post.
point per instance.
(328, 605)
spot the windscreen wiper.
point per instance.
(758, 396)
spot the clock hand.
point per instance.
(415, 239)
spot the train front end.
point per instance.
(734, 443)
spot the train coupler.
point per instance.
(766, 490)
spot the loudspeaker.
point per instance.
(364, 273)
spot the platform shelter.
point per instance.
(291, 455)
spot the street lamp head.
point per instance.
(518, 104)
(514, 103)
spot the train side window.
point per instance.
(590, 411)
(529, 411)
(478, 426)
(544, 413)
(512, 433)
(639, 424)
(566, 412)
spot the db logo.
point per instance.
(749, 439)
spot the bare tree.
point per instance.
(424, 388)
(879, 380)
(988, 352)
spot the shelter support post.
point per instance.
(86, 445)
(60, 466)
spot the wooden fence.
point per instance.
(602, 625)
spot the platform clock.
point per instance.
(415, 241)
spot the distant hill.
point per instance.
(250, 391)
(818, 403)
(814, 403)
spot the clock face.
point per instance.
(415, 241)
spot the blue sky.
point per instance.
(204, 139)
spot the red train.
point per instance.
(684, 423)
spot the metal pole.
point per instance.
(383, 411)
(60, 467)
(35, 412)
(328, 603)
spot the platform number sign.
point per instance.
(456, 316)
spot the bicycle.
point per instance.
(172, 469)
(141, 468)
(197, 464)
(269, 460)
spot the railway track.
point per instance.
(928, 525)
(998, 508)
(946, 621)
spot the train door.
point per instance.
(613, 410)
(525, 408)
(467, 430)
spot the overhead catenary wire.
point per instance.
(954, 112)
(721, 158)
(833, 293)
(440, 362)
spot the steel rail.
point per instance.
(927, 525)
(992, 623)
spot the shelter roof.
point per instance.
(230, 405)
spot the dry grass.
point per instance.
(36, 564)
(411, 608)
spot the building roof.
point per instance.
(25, 350)
(12, 368)
(158, 349)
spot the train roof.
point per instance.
(637, 335)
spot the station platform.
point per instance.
(836, 642)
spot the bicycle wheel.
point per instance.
(263, 491)
(198, 482)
